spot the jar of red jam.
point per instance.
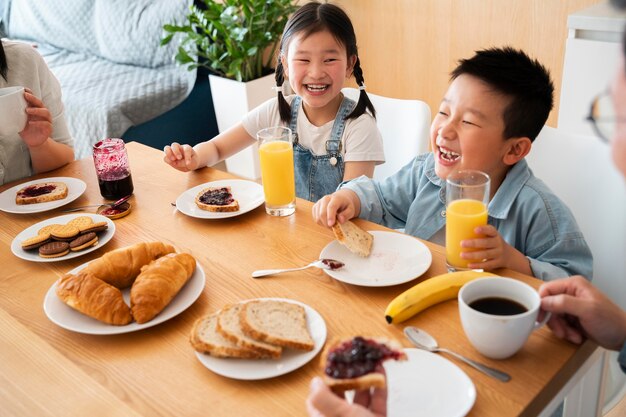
(112, 168)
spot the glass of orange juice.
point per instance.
(276, 156)
(467, 196)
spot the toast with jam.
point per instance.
(217, 199)
(356, 364)
(41, 193)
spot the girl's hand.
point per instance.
(182, 157)
(488, 252)
(39, 122)
(338, 206)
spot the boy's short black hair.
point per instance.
(514, 74)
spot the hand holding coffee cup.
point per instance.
(13, 115)
(498, 314)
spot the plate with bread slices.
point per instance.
(428, 385)
(41, 195)
(125, 290)
(63, 237)
(258, 339)
(376, 258)
(221, 199)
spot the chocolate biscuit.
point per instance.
(83, 242)
(54, 249)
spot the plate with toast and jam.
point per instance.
(41, 195)
(63, 237)
(221, 199)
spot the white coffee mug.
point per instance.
(12, 110)
(508, 317)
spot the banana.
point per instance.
(427, 293)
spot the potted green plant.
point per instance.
(236, 41)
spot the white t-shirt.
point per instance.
(361, 139)
(28, 69)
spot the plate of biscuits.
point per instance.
(125, 290)
(221, 199)
(41, 195)
(259, 338)
(63, 237)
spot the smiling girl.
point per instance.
(335, 139)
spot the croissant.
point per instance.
(94, 297)
(121, 266)
(158, 283)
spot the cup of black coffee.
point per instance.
(498, 314)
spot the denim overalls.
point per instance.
(318, 175)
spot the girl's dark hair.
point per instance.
(514, 74)
(4, 69)
(316, 17)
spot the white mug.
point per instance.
(12, 110)
(507, 316)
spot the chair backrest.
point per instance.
(405, 126)
(579, 169)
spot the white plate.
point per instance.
(64, 316)
(428, 385)
(249, 194)
(33, 255)
(396, 258)
(252, 369)
(75, 188)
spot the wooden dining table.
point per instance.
(48, 370)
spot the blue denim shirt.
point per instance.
(621, 359)
(525, 212)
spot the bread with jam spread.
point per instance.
(356, 364)
(217, 199)
(41, 193)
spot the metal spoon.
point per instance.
(112, 205)
(320, 263)
(423, 340)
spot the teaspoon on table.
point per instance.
(320, 263)
(112, 205)
(423, 340)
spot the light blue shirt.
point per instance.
(525, 212)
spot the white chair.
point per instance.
(405, 126)
(579, 169)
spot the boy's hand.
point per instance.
(341, 205)
(182, 157)
(489, 252)
(39, 123)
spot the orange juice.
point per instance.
(277, 173)
(462, 217)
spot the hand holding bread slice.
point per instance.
(356, 364)
(357, 240)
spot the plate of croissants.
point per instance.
(125, 290)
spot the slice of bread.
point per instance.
(354, 238)
(276, 322)
(373, 379)
(217, 199)
(229, 326)
(41, 193)
(205, 339)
